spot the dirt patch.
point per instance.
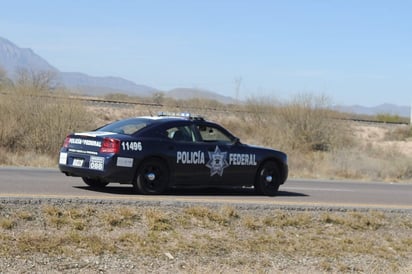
(376, 136)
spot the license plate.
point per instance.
(78, 162)
(63, 158)
(96, 163)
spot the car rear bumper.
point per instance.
(105, 168)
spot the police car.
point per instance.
(154, 154)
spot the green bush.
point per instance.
(389, 118)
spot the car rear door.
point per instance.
(186, 155)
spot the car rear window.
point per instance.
(127, 127)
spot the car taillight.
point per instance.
(66, 142)
(110, 145)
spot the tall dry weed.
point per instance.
(304, 124)
(32, 120)
(308, 124)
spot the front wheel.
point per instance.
(95, 183)
(152, 177)
(267, 179)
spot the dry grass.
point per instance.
(201, 236)
(31, 121)
(33, 126)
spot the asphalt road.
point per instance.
(50, 183)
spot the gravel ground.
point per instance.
(109, 221)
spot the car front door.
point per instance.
(230, 163)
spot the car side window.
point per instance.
(212, 134)
(181, 134)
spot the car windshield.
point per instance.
(128, 127)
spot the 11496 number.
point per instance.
(134, 146)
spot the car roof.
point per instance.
(171, 118)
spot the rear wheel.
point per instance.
(152, 177)
(267, 179)
(95, 183)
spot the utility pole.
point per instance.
(410, 111)
(238, 82)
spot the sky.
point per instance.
(351, 51)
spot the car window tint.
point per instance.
(132, 128)
(181, 134)
(212, 134)
(128, 127)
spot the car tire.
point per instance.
(152, 177)
(95, 183)
(267, 179)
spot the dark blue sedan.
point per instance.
(157, 153)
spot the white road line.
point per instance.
(317, 189)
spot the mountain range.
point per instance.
(14, 58)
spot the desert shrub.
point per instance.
(5, 82)
(261, 110)
(192, 104)
(389, 118)
(33, 120)
(122, 97)
(304, 124)
(252, 122)
(400, 133)
(307, 124)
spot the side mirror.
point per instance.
(236, 141)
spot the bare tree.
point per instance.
(238, 82)
(158, 97)
(35, 80)
(4, 80)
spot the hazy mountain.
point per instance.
(14, 58)
(191, 93)
(103, 85)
